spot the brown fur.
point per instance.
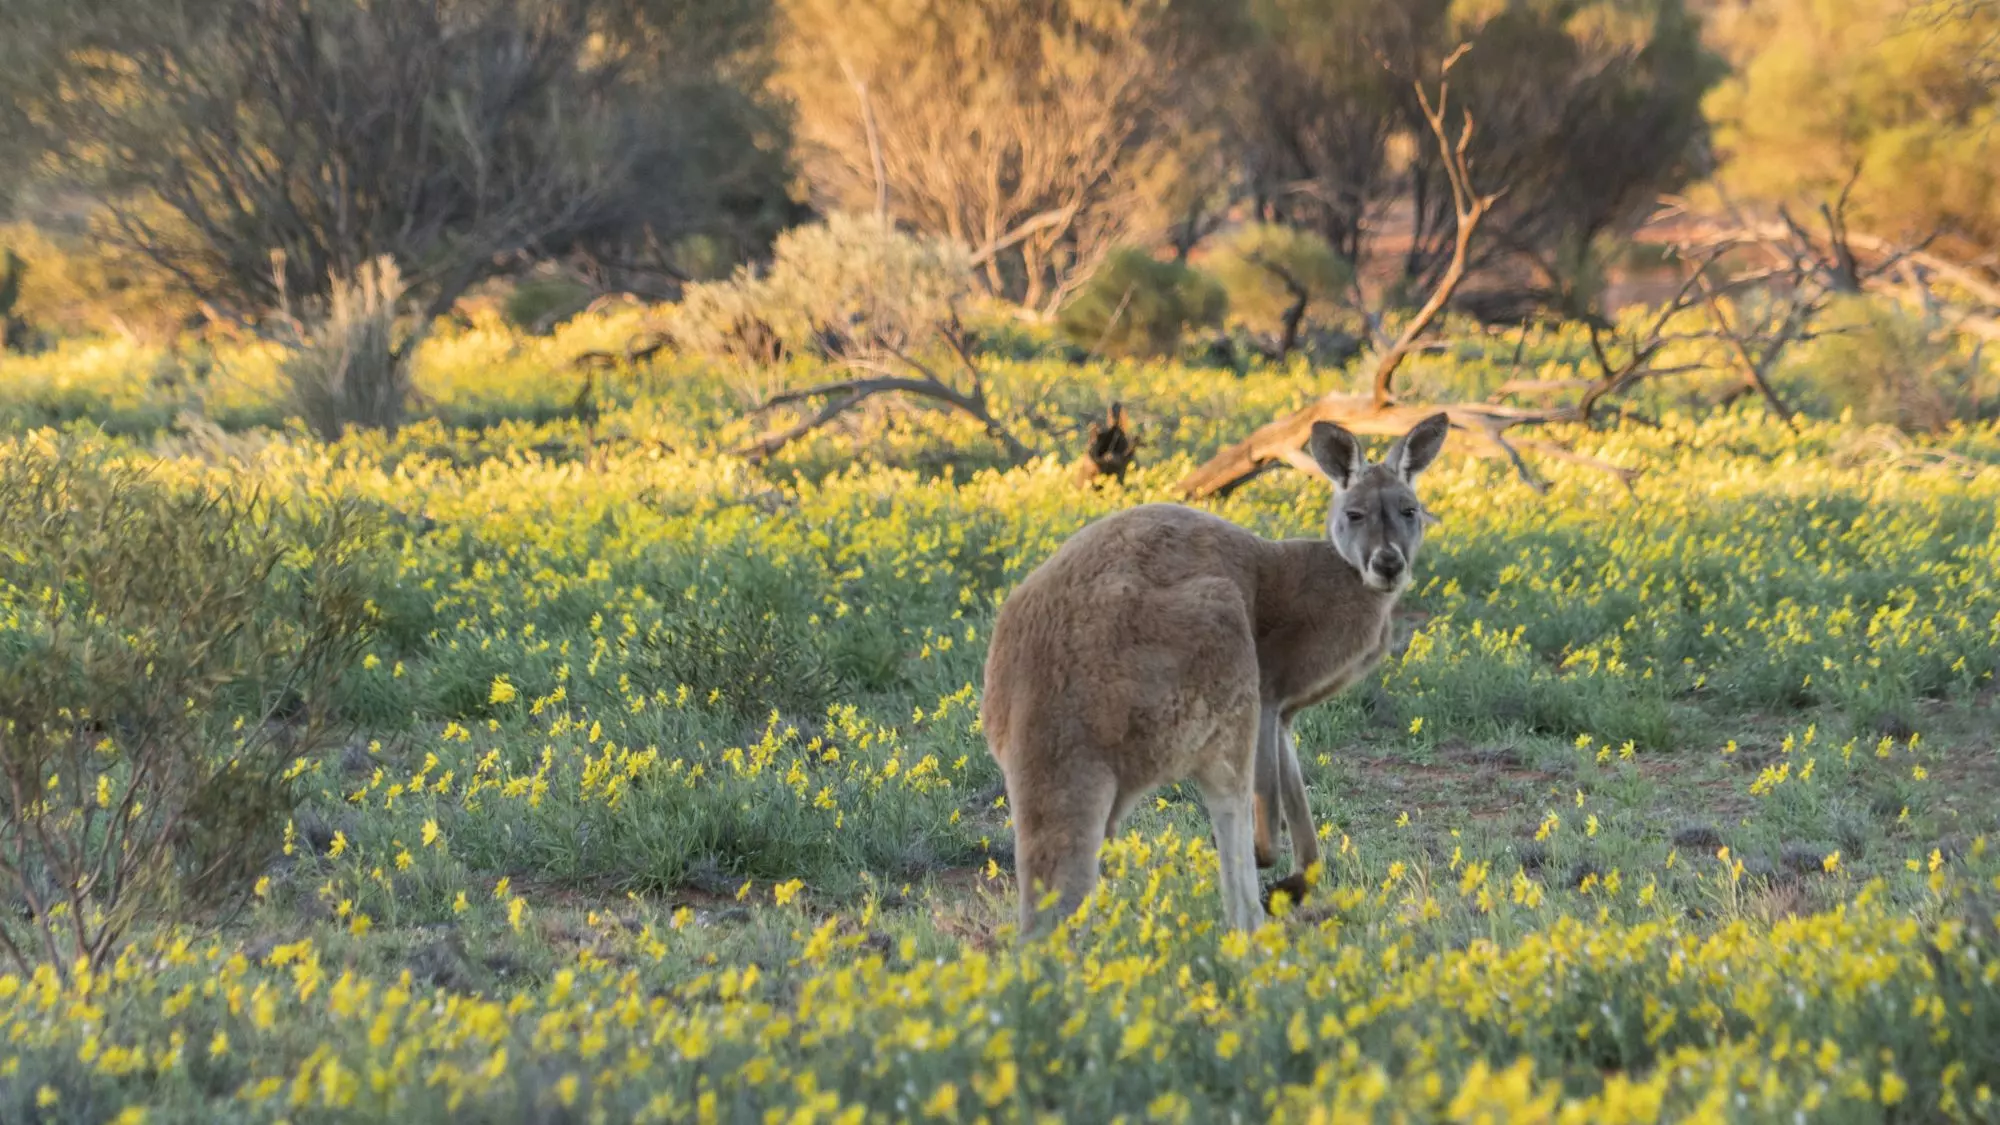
(1163, 643)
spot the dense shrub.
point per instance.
(538, 304)
(165, 651)
(851, 285)
(1888, 365)
(1137, 305)
(13, 330)
(1276, 276)
(351, 366)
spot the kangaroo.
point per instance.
(1162, 643)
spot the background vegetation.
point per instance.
(502, 504)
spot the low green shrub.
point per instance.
(1891, 365)
(165, 653)
(1278, 276)
(13, 329)
(538, 304)
(1137, 305)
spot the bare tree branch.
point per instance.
(1468, 205)
(1378, 412)
(1755, 368)
(907, 375)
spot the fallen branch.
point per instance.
(841, 387)
(1537, 388)
(1282, 441)
(913, 377)
(1561, 452)
(633, 354)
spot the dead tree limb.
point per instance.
(1645, 346)
(1537, 388)
(1801, 270)
(634, 354)
(1469, 206)
(1378, 412)
(897, 372)
(1281, 441)
(1756, 368)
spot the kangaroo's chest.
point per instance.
(1301, 666)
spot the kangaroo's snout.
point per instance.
(1388, 565)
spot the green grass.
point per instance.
(626, 693)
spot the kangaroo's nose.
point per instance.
(1389, 564)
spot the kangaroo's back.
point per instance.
(1101, 631)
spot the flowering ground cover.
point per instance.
(661, 794)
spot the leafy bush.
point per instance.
(135, 619)
(1136, 305)
(79, 286)
(351, 367)
(849, 286)
(1275, 274)
(1888, 365)
(13, 330)
(540, 303)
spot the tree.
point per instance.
(1587, 110)
(454, 136)
(1319, 109)
(1891, 103)
(1026, 132)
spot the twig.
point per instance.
(1468, 207)
(846, 394)
(1752, 367)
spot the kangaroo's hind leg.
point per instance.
(1060, 820)
(1270, 808)
(1228, 789)
(1298, 817)
(1298, 814)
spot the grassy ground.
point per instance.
(665, 796)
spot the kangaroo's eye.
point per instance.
(1354, 517)
(1409, 513)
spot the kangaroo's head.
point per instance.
(1377, 522)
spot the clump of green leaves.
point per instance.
(13, 330)
(165, 652)
(852, 286)
(538, 304)
(1276, 275)
(1890, 365)
(1137, 305)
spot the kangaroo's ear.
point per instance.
(1337, 452)
(1413, 452)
